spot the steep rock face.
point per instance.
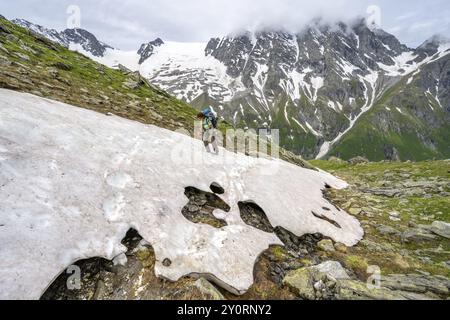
(86, 40)
(432, 45)
(313, 84)
(146, 50)
(410, 121)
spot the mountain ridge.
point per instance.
(315, 85)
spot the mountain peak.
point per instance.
(68, 37)
(437, 39)
(87, 40)
(434, 44)
(146, 50)
(51, 34)
(157, 42)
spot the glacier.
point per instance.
(73, 182)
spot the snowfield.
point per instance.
(185, 62)
(73, 182)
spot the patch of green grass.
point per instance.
(357, 263)
(278, 252)
(389, 252)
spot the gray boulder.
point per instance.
(441, 228)
(417, 283)
(357, 290)
(417, 235)
(316, 282)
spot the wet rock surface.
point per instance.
(201, 207)
(254, 216)
(217, 188)
(135, 280)
(403, 208)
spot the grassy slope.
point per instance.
(392, 254)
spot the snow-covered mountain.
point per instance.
(315, 85)
(74, 39)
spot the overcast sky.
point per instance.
(126, 24)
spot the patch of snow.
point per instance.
(347, 68)
(296, 80)
(299, 124)
(314, 132)
(317, 83)
(120, 260)
(331, 105)
(235, 116)
(178, 67)
(404, 64)
(242, 110)
(185, 66)
(40, 238)
(437, 95)
(297, 49)
(112, 57)
(285, 113)
(357, 40)
(254, 109)
(386, 46)
(259, 81)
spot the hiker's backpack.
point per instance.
(211, 116)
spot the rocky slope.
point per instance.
(316, 86)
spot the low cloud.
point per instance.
(128, 23)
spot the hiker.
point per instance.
(209, 125)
